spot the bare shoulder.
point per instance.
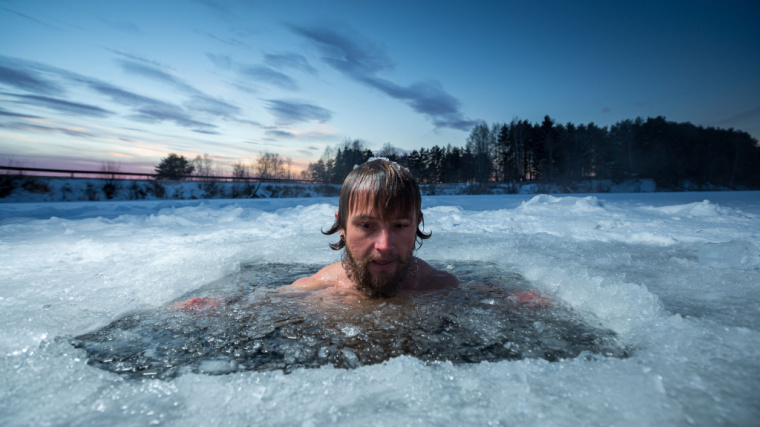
(330, 275)
(430, 277)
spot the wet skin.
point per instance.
(389, 242)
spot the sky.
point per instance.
(88, 83)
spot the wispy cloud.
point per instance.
(265, 144)
(199, 101)
(268, 75)
(136, 58)
(156, 74)
(225, 40)
(206, 132)
(67, 107)
(18, 75)
(218, 8)
(6, 113)
(213, 106)
(160, 112)
(739, 119)
(280, 134)
(289, 112)
(253, 123)
(222, 61)
(256, 74)
(123, 26)
(43, 80)
(362, 60)
(48, 129)
(30, 18)
(289, 60)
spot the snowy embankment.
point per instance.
(36, 189)
(675, 275)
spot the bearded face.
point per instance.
(378, 246)
(375, 285)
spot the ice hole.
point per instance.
(256, 327)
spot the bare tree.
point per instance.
(288, 167)
(269, 166)
(111, 167)
(390, 152)
(241, 171)
(205, 166)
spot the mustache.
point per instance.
(375, 257)
(373, 287)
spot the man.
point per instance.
(379, 221)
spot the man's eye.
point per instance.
(364, 225)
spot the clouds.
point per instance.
(280, 134)
(269, 74)
(156, 74)
(43, 80)
(6, 113)
(123, 26)
(222, 61)
(13, 73)
(145, 109)
(199, 101)
(212, 106)
(67, 107)
(215, 75)
(261, 74)
(286, 112)
(289, 60)
(355, 57)
(79, 133)
(290, 112)
(362, 60)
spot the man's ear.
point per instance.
(336, 215)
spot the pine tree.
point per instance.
(174, 167)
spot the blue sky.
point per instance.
(88, 82)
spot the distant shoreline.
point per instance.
(25, 189)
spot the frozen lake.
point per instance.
(676, 277)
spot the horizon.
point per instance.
(87, 83)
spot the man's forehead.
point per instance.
(371, 212)
(374, 211)
(371, 204)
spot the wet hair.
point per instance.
(384, 186)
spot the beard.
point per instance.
(371, 286)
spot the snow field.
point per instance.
(676, 277)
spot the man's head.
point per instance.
(379, 218)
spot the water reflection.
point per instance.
(255, 327)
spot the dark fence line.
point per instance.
(122, 175)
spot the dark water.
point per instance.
(258, 328)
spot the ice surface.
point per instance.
(674, 276)
(736, 254)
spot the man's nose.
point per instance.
(383, 240)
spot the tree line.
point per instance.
(267, 167)
(667, 152)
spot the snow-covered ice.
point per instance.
(675, 275)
